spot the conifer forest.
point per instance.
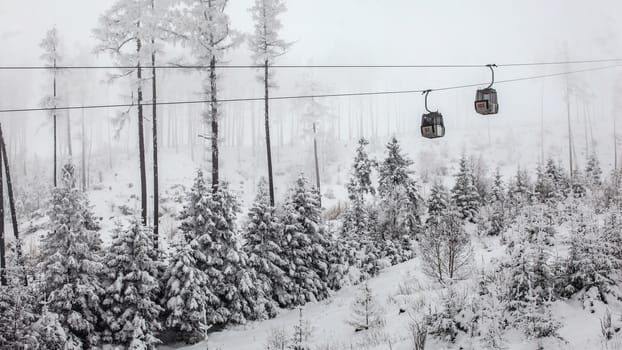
(310, 175)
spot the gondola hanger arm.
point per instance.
(492, 71)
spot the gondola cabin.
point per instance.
(432, 125)
(486, 101)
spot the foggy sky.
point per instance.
(365, 32)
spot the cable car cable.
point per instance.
(299, 66)
(293, 97)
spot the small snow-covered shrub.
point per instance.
(277, 339)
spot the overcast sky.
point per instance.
(366, 32)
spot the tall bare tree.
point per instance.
(127, 22)
(203, 26)
(51, 57)
(267, 46)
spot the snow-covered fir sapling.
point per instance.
(185, 292)
(277, 339)
(17, 315)
(301, 333)
(400, 205)
(131, 310)
(359, 222)
(464, 194)
(366, 312)
(307, 244)
(71, 262)
(264, 248)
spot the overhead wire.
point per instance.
(292, 97)
(310, 66)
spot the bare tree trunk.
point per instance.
(569, 127)
(154, 123)
(9, 184)
(83, 153)
(69, 149)
(54, 122)
(267, 125)
(214, 120)
(141, 143)
(2, 246)
(317, 168)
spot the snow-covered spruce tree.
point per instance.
(464, 193)
(360, 181)
(438, 202)
(264, 248)
(400, 204)
(536, 318)
(71, 262)
(593, 172)
(49, 332)
(17, 315)
(130, 307)
(229, 277)
(301, 333)
(590, 262)
(494, 213)
(552, 184)
(195, 217)
(359, 222)
(520, 192)
(185, 292)
(357, 219)
(530, 274)
(444, 323)
(306, 245)
(366, 311)
(209, 219)
(446, 248)
(267, 47)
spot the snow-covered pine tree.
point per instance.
(49, 332)
(359, 222)
(264, 248)
(520, 192)
(464, 193)
(195, 217)
(496, 221)
(366, 311)
(17, 315)
(302, 333)
(186, 295)
(544, 188)
(593, 172)
(307, 244)
(497, 191)
(229, 276)
(590, 262)
(536, 318)
(400, 206)
(360, 181)
(130, 307)
(438, 202)
(71, 262)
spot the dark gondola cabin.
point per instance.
(432, 125)
(486, 101)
